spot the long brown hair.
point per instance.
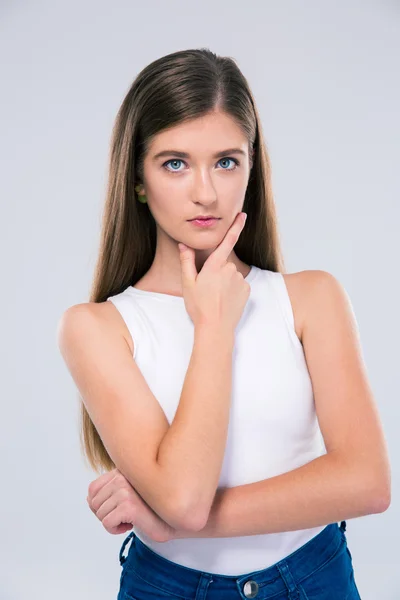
(177, 87)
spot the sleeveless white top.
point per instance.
(273, 426)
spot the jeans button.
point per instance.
(250, 589)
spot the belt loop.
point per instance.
(343, 525)
(122, 559)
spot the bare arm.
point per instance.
(167, 465)
(193, 448)
(354, 478)
(327, 489)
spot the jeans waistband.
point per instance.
(176, 579)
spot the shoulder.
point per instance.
(307, 290)
(82, 318)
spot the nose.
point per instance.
(203, 191)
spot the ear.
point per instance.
(139, 188)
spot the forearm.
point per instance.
(192, 451)
(323, 491)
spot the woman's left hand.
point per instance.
(118, 506)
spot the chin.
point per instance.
(204, 244)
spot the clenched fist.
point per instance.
(118, 506)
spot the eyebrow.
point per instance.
(187, 155)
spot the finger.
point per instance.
(222, 252)
(188, 265)
(108, 490)
(98, 483)
(121, 515)
(106, 507)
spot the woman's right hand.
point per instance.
(216, 295)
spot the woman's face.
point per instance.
(205, 180)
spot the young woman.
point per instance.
(226, 402)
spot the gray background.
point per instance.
(325, 76)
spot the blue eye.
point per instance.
(178, 160)
(236, 162)
(175, 160)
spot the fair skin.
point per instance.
(184, 188)
(353, 478)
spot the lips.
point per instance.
(204, 218)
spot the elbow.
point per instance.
(379, 494)
(187, 517)
(195, 521)
(382, 500)
(383, 495)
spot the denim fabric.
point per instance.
(321, 569)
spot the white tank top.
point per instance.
(273, 426)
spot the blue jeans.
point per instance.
(321, 569)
